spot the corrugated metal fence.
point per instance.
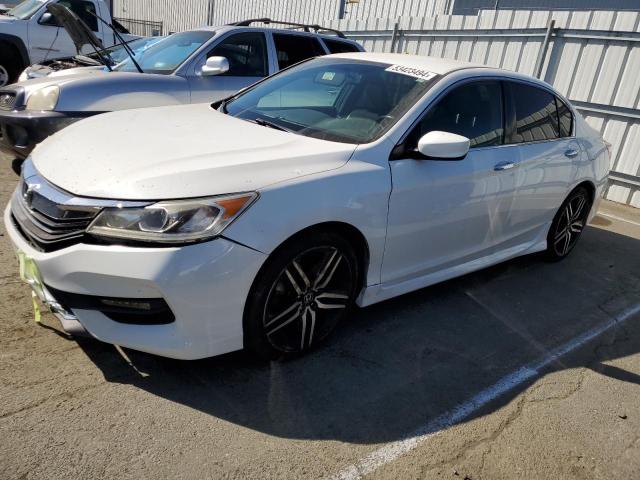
(593, 58)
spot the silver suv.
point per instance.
(200, 65)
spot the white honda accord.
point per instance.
(256, 222)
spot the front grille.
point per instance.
(50, 218)
(45, 223)
(7, 100)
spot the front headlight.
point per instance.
(176, 221)
(44, 99)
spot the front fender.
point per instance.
(18, 44)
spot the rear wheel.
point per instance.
(301, 295)
(568, 224)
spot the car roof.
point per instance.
(289, 31)
(438, 65)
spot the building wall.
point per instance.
(471, 7)
(180, 15)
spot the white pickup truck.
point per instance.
(30, 34)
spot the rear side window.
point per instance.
(565, 118)
(295, 48)
(246, 53)
(536, 114)
(473, 110)
(337, 46)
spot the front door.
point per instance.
(248, 63)
(444, 213)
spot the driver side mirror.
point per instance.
(48, 19)
(443, 145)
(215, 66)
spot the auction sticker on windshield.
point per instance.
(412, 71)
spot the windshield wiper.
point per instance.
(126, 47)
(267, 123)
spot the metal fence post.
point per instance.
(542, 53)
(394, 36)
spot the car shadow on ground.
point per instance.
(394, 366)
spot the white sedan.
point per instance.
(256, 222)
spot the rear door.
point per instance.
(542, 131)
(248, 63)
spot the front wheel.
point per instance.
(300, 296)
(568, 224)
(10, 66)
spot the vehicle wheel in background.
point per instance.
(568, 224)
(10, 65)
(301, 294)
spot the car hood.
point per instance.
(178, 152)
(79, 32)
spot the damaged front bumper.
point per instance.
(22, 130)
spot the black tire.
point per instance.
(568, 224)
(291, 306)
(10, 65)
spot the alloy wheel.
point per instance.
(308, 299)
(4, 76)
(570, 224)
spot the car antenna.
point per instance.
(126, 47)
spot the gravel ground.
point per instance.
(82, 410)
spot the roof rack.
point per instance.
(307, 27)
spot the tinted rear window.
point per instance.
(336, 46)
(295, 48)
(536, 115)
(565, 118)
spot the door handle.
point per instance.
(571, 153)
(504, 166)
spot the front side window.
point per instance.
(342, 100)
(473, 110)
(292, 49)
(246, 53)
(536, 115)
(165, 56)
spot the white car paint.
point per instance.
(48, 42)
(220, 152)
(423, 221)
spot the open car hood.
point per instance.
(79, 32)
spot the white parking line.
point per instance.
(392, 451)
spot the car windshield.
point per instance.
(119, 53)
(165, 56)
(334, 99)
(26, 9)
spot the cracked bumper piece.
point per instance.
(21, 131)
(205, 286)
